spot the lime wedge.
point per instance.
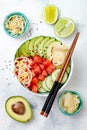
(64, 27)
(50, 14)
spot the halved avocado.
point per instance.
(19, 108)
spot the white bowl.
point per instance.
(45, 93)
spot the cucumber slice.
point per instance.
(49, 82)
(37, 42)
(42, 90)
(55, 74)
(45, 86)
(65, 77)
(40, 46)
(31, 46)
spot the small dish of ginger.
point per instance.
(70, 102)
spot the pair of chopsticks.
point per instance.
(57, 84)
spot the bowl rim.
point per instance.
(25, 28)
(78, 109)
(46, 93)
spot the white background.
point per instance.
(75, 9)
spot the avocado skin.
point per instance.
(25, 106)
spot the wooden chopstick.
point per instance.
(67, 59)
(57, 84)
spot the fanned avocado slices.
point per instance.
(36, 46)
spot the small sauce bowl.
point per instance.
(79, 105)
(12, 29)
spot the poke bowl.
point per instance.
(37, 64)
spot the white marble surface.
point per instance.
(77, 10)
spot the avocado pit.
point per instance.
(18, 108)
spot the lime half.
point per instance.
(64, 27)
(50, 14)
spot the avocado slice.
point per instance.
(48, 52)
(45, 46)
(37, 42)
(41, 44)
(16, 55)
(18, 108)
(22, 51)
(31, 46)
(26, 47)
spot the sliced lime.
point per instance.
(64, 27)
(50, 14)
